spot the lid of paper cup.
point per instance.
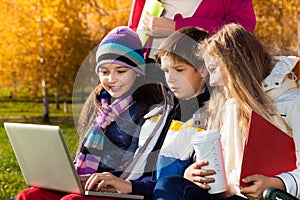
(207, 135)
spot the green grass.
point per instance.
(11, 179)
(31, 109)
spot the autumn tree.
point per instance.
(101, 17)
(46, 41)
(277, 24)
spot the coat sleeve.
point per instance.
(143, 186)
(291, 179)
(212, 15)
(135, 13)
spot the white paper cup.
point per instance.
(207, 145)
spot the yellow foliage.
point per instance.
(277, 24)
(49, 39)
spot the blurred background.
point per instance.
(45, 43)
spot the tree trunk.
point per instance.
(65, 104)
(10, 96)
(46, 118)
(56, 99)
(82, 95)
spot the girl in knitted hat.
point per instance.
(121, 99)
(111, 118)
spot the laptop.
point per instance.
(45, 160)
(268, 150)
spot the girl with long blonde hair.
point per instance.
(246, 77)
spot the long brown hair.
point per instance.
(247, 62)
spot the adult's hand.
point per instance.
(157, 26)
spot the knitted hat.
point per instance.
(121, 46)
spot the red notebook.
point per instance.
(268, 150)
